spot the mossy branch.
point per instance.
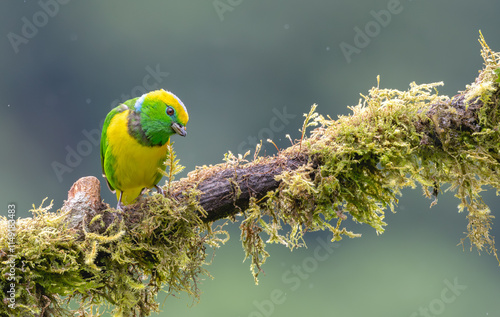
(355, 165)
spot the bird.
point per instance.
(134, 143)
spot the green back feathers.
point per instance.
(104, 137)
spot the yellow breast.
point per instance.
(135, 165)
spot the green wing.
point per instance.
(104, 138)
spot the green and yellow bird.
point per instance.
(134, 142)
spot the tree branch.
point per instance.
(225, 189)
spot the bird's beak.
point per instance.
(179, 129)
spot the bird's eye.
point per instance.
(170, 111)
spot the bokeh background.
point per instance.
(237, 64)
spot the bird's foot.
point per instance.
(120, 206)
(120, 212)
(161, 190)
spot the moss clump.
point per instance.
(164, 245)
(394, 139)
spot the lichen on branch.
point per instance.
(354, 166)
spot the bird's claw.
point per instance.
(120, 206)
(161, 191)
(120, 211)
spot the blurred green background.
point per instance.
(237, 64)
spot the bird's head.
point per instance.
(162, 114)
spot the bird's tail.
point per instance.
(129, 196)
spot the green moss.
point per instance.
(165, 249)
(367, 158)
